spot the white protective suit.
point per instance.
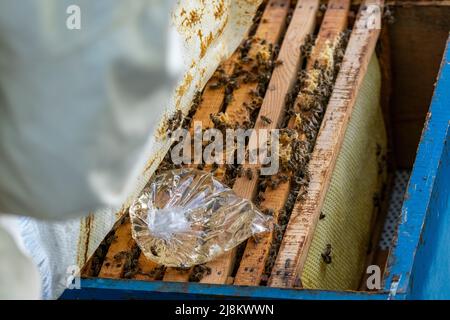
(80, 114)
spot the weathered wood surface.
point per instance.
(418, 38)
(271, 29)
(256, 253)
(211, 103)
(146, 269)
(300, 230)
(283, 78)
(212, 100)
(119, 252)
(252, 265)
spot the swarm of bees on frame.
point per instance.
(131, 263)
(256, 69)
(311, 92)
(305, 105)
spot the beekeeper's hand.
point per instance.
(78, 107)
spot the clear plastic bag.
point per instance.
(186, 217)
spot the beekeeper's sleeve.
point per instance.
(77, 106)
(81, 111)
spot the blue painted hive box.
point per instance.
(409, 238)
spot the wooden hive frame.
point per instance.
(289, 28)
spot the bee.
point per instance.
(247, 106)
(183, 269)
(287, 263)
(261, 196)
(121, 255)
(249, 174)
(159, 272)
(274, 183)
(269, 212)
(376, 200)
(326, 254)
(215, 85)
(284, 178)
(298, 283)
(264, 278)
(254, 92)
(245, 59)
(266, 120)
(154, 251)
(257, 238)
(278, 63)
(239, 171)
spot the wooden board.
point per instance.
(119, 252)
(213, 98)
(146, 269)
(252, 265)
(212, 101)
(270, 30)
(282, 80)
(300, 230)
(256, 253)
(418, 39)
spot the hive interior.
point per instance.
(407, 83)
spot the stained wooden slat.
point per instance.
(377, 256)
(268, 34)
(270, 29)
(119, 252)
(212, 101)
(256, 253)
(176, 275)
(282, 80)
(147, 269)
(299, 233)
(212, 98)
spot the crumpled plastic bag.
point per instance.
(186, 217)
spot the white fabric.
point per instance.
(81, 110)
(19, 277)
(79, 105)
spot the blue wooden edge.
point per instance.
(426, 198)
(133, 289)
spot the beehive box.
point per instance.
(415, 263)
